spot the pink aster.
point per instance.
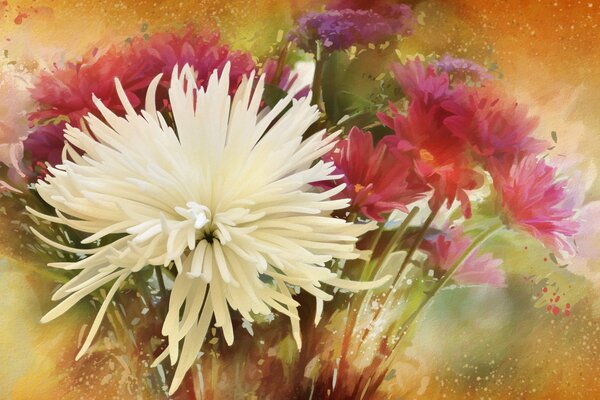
(536, 201)
(376, 181)
(202, 51)
(445, 249)
(440, 157)
(495, 126)
(68, 91)
(65, 93)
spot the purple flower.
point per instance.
(45, 144)
(339, 29)
(459, 69)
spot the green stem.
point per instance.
(318, 78)
(281, 60)
(478, 241)
(394, 242)
(371, 267)
(416, 244)
(405, 262)
(162, 288)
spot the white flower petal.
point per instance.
(225, 196)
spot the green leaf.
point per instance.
(359, 86)
(334, 72)
(273, 94)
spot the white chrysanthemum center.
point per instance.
(195, 212)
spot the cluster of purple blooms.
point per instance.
(338, 29)
(460, 68)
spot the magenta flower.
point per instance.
(534, 200)
(440, 157)
(376, 181)
(66, 93)
(203, 51)
(494, 126)
(338, 29)
(445, 249)
(459, 69)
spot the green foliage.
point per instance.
(525, 256)
(273, 94)
(359, 87)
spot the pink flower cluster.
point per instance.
(445, 249)
(65, 93)
(537, 202)
(443, 144)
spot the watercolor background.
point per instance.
(549, 55)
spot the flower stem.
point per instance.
(478, 241)
(281, 60)
(370, 268)
(416, 244)
(394, 242)
(161, 281)
(405, 262)
(318, 78)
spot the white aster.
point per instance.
(225, 198)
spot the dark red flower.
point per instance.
(376, 181)
(68, 91)
(203, 51)
(440, 157)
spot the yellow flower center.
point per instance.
(425, 155)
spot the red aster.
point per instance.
(377, 182)
(440, 157)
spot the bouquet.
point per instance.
(283, 221)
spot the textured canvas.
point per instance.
(308, 199)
